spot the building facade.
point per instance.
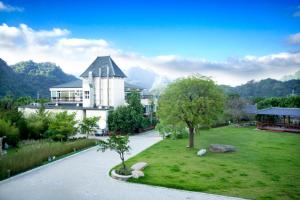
(101, 87)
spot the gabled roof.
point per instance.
(103, 63)
(293, 112)
(72, 84)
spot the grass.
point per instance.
(35, 153)
(265, 166)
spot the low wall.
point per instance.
(79, 113)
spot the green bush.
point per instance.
(10, 132)
(13, 136)
(62, 125)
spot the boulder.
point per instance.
(137, 174)
(221, 148)
(139, 166)
(201, 152)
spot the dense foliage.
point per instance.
(25, 78)
(9, 132)
(265, 88)
(36, 126)
(61, 126)
(290, 102)
(129, 118)
(190, 102)
(88, 125)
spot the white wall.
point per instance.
(86, 87)
(102, 114)
(116, 92)
(78, 117)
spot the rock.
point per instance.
(221, 148)
(139, 166)
(201, 152)
(137, 174)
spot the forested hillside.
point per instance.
(29, 78)
(265, 88)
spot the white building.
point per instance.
(102, 87)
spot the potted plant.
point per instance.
(120, 145)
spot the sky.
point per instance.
(230, 41)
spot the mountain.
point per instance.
(296, 75)
(29, 78)
(265, 88)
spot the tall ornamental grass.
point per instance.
(33, 154)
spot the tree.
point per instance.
(290, 102)
(120, 145)
(9, 132)
(62, 125)
(234, 107)
(134, 102)
(38, 123)
(127, 119)
(88, 124)
(192, 102)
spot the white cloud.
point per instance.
(294, 38)
(74, 55)
(9, 8)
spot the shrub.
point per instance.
(10, 132)
(38, 123)
(62, 125)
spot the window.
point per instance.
(86, 94)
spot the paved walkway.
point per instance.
(85, 176)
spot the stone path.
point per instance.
(84, 176)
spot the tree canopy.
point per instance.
(191, 102)
(129, 118)
(88, 124)
(289, 102)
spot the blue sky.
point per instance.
(210, 30)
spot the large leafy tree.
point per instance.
(192, 102)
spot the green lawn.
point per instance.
(265, 166)
(35, 153)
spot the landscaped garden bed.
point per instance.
(35, 153)
(265, 165)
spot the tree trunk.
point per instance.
(123, 162)
(191, 137)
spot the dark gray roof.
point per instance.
(293, 112)
(72, 84)
(78, 84)
(103, 63)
